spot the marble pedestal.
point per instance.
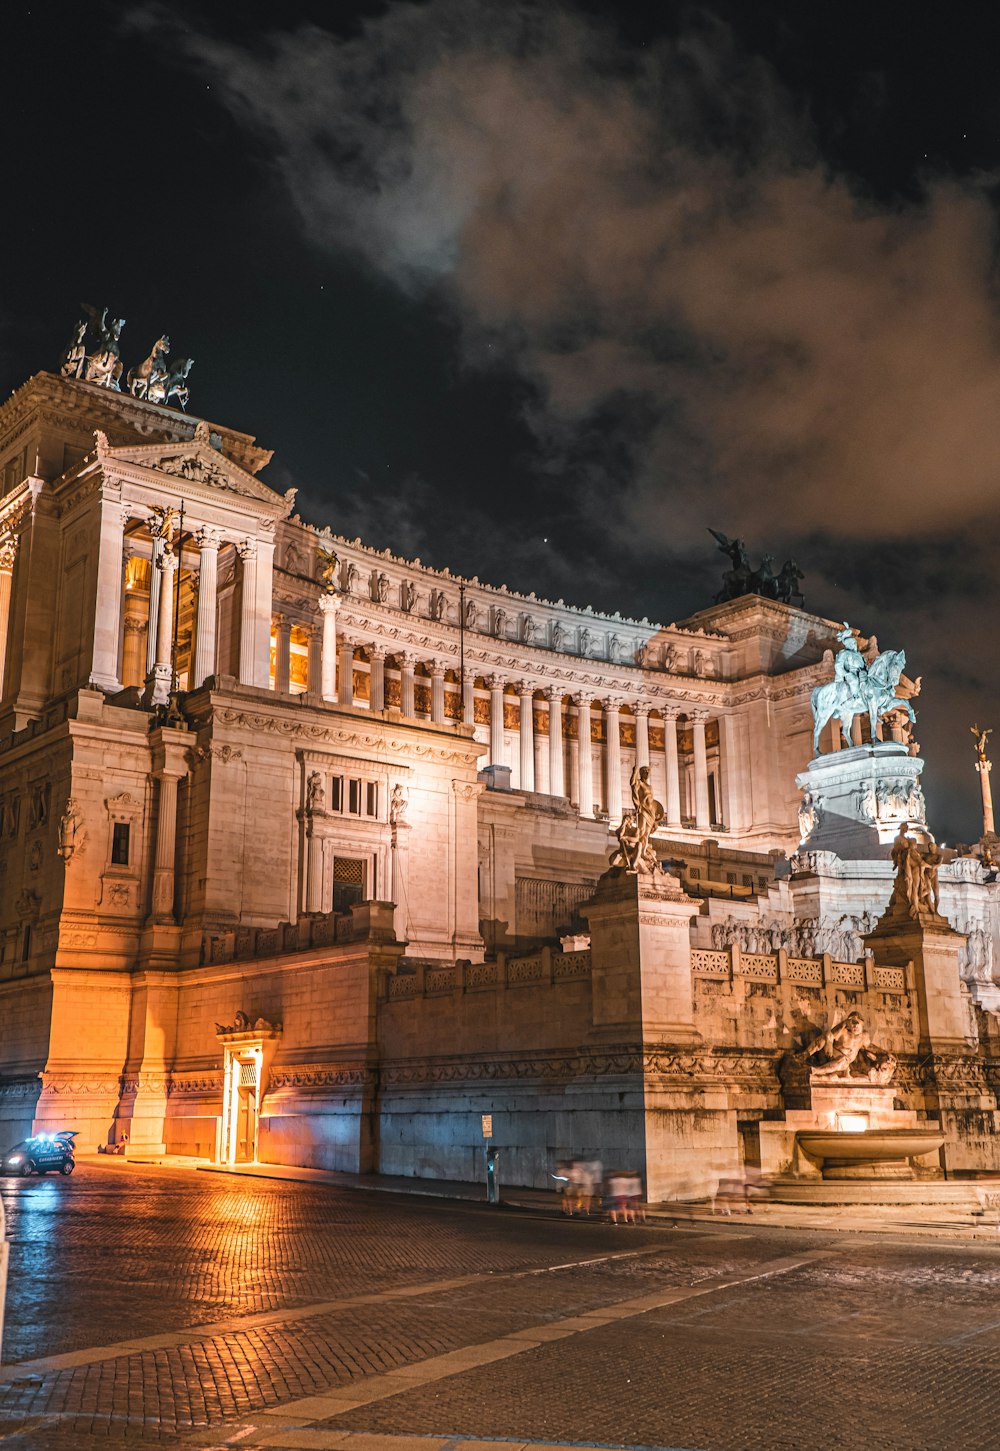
(853, 801)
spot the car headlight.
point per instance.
(14, 1159)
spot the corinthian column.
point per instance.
(282, 655)
(613, 760)
(407, 694)
(345, 693)
(557, 777)
(642, 734)
(673, 793)
(8, 554)
(328, 604)
(376, 693)
(248, 611)
(437, 692)
(496, 684)
(207, 541)
(160, 679)
(586, 755)
(701, 811)
(527, 735)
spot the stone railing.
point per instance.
(366, 921)
(540, 969)
(729, 962)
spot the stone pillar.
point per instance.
(984, 767)
(541, 761)
(8, 554)
(701, 812)
(345, 689)
(496, 683)
(642, 734)
(282, 655)
(314, 659)
(407, 697)
(110, 576)
(673, 793)
(613, 760)
(248, 611)
(557, 777)
(134, 648)
(527, 735)
(437, 693)
(168, 770)
(328, 604)
(159, 682)
(156, 554)
(207, 541)
(376, 692)
(314, 866)
(586, 766)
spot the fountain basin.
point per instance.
(873, 1154)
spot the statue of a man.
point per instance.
(981, 739)
(315, 792)
(329, 563)
(845, 1044)
(850, 666)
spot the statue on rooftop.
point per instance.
(103, 362)
(742, 580)
(859, 688)
(149, 378)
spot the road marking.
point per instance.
(191, 1334)
(298, 1432)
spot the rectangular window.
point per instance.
(348, 882)
(336, 793)
(354, 797)
(120, 844)
(371, 798)
(26, 949)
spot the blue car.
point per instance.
(41, 1153)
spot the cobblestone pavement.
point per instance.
(170, 1308)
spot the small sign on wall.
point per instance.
(487, 1125)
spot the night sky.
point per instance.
(540, 291)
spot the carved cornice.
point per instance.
(690, 1067)
(298, 730)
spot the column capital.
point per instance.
(407, 659)
(282, 622)
(640, 708)
(167, 563)
(437, 668)
(699, 715)
(583, 699)
(497, 682)
(207, 538)
(8, 553)
(554, 694)
(376, 652)
(670, 712)
(247, 549)
(525, 688)
(613, 704)
(329, 604)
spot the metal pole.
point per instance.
(461, 650)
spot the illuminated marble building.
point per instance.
(273, 914)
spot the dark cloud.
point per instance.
(712, 325)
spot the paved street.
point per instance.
(168, 1307)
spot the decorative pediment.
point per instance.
(198, 461)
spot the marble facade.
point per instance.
(242, 768)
